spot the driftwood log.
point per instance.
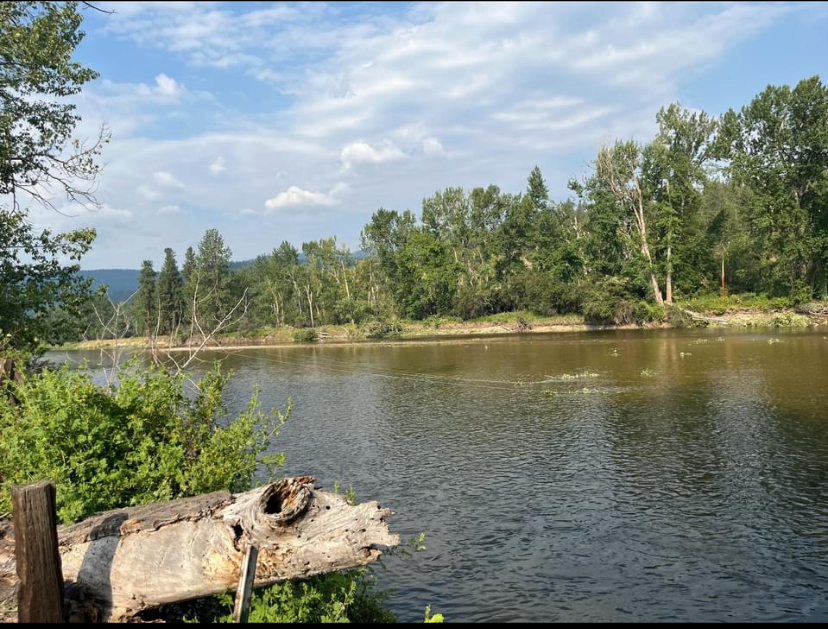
(120, 563)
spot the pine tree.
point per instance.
(170, 292)
(213, 271)
(146, 302)
(189, 264)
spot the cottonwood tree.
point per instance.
(39, 157)
(38, 154)
(778, 148)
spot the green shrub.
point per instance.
(343, 597)
(645, 312)
(789, 320)
(143, 441)
(608, 302)
(305, 336)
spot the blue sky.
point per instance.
(274, 121)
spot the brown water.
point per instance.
(694, 491)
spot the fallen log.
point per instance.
(120, 563)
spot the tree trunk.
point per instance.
(310, 303)
(119, 563)
(669, 275)
(724, 288)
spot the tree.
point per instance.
(41, 297)
(170, 294)
(620, 169)
(211, 277)
(37, 40)
(35, 283)
(675, 169)
(146, 300)
(778, 147)
(189, 264)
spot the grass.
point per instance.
(530, 317)
(718, 305)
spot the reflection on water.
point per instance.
(695, 491)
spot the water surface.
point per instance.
(686, 481)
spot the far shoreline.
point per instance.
(452, 331)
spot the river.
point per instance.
(610, 476)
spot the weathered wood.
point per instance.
(40, 596)
(120, 563)
(241, 611)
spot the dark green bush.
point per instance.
(305, 336)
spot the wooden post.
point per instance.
(40, 596)
(247, 576)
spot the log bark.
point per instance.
(120, 563)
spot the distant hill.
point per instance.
(123, 282)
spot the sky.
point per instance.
(293, 121)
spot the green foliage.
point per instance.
(789, 320)
(146, 308)
(42, 298)
(169, 295)
(37, 40)
(608, 301)
(305, 336)
(144, 440)
(336, 598)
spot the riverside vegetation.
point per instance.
(712, 204)
(713, 213)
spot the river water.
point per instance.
(609, 476)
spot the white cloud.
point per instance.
(297, 197)
(473, 93)
(171, 209)
(433, 146)
(364, 153)
(149, 193)
(167, 86)
(167, 180)
(218, 166)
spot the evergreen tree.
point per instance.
(146, 299)
(189, 264)
(170, 292)
(212, 275)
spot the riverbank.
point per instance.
(710, 313)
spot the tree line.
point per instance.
(735, 203)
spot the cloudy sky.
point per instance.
(274, 121)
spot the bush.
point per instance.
(143, 441)
(607, 302)
(381, 329)
(305, 336)
(646, 312)
(789, 320)
(678, 318)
